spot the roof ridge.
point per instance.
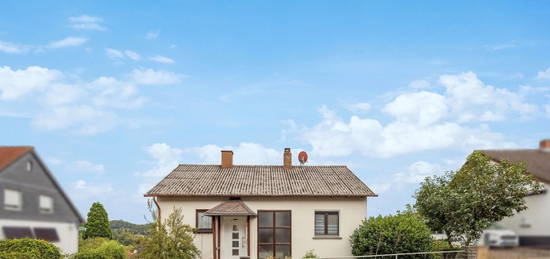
(263, 165)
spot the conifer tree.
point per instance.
(97, 224)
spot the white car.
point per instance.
(499, 238)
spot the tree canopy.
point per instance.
(168, 239)
(462, 204)
(97, 224)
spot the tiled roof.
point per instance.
(258, 180)
(10, 154)
(231, 208)
(537, 162)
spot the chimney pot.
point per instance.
(287, 158)
(227, 159)
(544, 145)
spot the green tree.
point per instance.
(464, 203)
(97, 224)
(168, 239)
(405, 232)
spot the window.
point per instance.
(274, 234)
(29, 166)
(46, 204)
(327, 223)
(17, 232)
(203, 223)
(12, 200)
(48, 234)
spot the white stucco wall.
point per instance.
(67, 232)
(536, 215)
(352, 212)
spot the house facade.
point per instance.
(32, 204)
(531, 225)
(262, 211)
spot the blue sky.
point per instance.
(113, 94)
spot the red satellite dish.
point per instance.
(302, 157)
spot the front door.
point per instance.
(233, 237)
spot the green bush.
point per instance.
(100, 248)
(405, 232)
(90, 255)
(17, 255)
(29, 247)
(310, 254)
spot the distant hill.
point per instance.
(119, 225)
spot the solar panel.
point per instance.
(17, 232)
(48, 234)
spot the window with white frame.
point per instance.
(46, 204)
(29, 166)
(13, 200)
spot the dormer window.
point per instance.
(46, 204)
(12, 200)
(29, 166)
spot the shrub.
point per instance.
(29, 247)
(405, 232)
(100, 248)
(17, 255)
(310, 254)
(97, 224)
(170, 238)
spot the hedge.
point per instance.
(100, 248)
(17, 255)
(29, 247)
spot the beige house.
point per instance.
(242, 211)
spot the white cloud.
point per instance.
(155, 77)
(369, 137)
(132, 55)
(162, 59)
(87, 167)
(17, 83)
(421, 120)
(359, 107)
(544, 75)
(423, 108)
(503, 46)
(165, 158)
(467, 96)
(82, 119)
(417, 172)
(86, 22)
(113, 53)
(122, 54)
(152, 35)
(419, 84)
(67, 42)
(83, 190)
(83, 107)
(116, 93)
(12, 48)
(547, 108)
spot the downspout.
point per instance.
(158, 207)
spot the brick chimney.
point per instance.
(287, 158)
(227, 159)
(544, 145)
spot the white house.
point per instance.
(532, 225)
(259, 211)
(32, 204)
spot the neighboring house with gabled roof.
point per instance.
(533, 224)
(32, 203)
(256, 211)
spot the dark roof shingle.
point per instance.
(260, 180)
(537, 162)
